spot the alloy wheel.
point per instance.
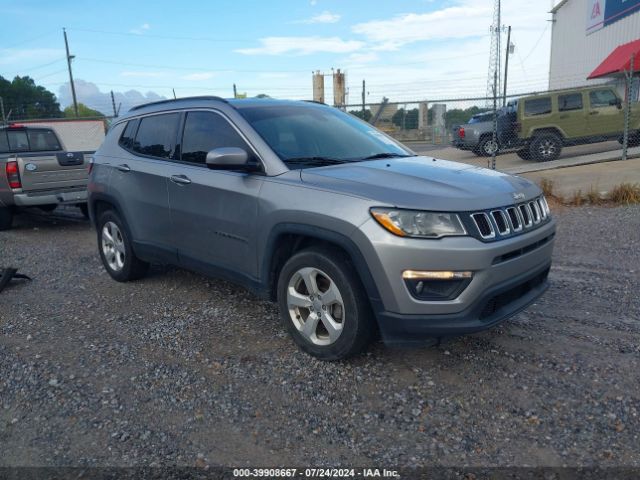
(113, 246)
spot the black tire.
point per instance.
(634, 140)
(49, 207)
(132, 267)
(486, 146)
(545, 147)
(6, 218)
(353, 314)
(84, 209)
(524, 154)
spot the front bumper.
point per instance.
(33, 199)
(494, 307)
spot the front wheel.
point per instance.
(116, 250)
(323, 305)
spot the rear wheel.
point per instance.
(323, 305)
(116, 250)
(487, 146)
(6, 218)
(545, 147)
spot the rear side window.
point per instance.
(205, 131)
(129, 134)
(602, 98)
(567, 103)
(156, 135)
(538, 106)
(43, 140)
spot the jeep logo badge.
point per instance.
(518, 196)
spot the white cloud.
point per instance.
(302, 46)
(141, 29)
(142, 74)
(324, 17)
(199, 76)
(458, 21)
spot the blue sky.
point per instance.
(405, 49)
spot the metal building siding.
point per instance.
(574, 54)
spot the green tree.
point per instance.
(358, 113)
(406, 119)
(83, 112)
(26, 100)
(458, 116)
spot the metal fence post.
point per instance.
(628, 80)
(495, 122)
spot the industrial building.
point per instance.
(586, 34)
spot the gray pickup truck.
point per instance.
(476, 135)
(37, 171)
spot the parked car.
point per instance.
(548, 122)
(37, 171)
(348, 230)
(477, 134)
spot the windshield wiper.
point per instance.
(314, 161)
(386, 155)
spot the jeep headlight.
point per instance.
(418, 224)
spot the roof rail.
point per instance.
(171, 100)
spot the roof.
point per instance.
(619, 61)
(559, 6)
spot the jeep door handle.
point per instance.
(180, 179)
(124, 168)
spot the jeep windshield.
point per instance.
(312, 135)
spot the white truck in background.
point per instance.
(45, 164)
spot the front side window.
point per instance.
(567, 103)
(538, 106)
(156, 135)
(602, 98)
(206, 131)
(307, 133)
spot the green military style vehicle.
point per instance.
(545, 123)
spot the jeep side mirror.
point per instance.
(230, 158)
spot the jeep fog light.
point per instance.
(436, 285)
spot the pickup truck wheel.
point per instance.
(545, 147)
(6, 218)
(116, 250)
(323, 305)
(487, 146)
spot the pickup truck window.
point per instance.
(602, 98)
(573, 101)
(42, 140)
(28, 140)
(538, 106)
(14, 141)
(156, 135)
(204, 131)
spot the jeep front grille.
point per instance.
(511, 220)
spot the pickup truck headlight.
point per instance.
(418, 224)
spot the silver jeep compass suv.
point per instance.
(349, 231)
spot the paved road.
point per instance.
(179, 369)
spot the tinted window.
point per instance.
(4, 141)
(204, 131)
(18, 141)
(539, 106)
(570, 102)
(126, 140)
(602, 98)
(157, 135)
(41, 140)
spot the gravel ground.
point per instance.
(179, 369)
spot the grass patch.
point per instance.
(625, 194)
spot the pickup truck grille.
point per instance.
(510, 221)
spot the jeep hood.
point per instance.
(423, 183)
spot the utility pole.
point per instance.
(364, 99)
(506, 66)
(113, 104)
(235, 91)
(69, 58)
